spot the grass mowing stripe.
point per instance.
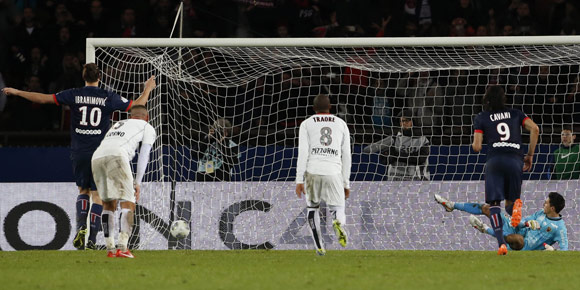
(289, 270)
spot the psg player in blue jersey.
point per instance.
(91, 110)
(503, 169)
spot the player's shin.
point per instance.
(472, 208)
(338, 213)
(126, 227)
(496, 224)
(314, 223)
(339, 220)
(108, 219)
(96, 210)
(509, 208)
(83, 202)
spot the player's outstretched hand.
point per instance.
(533, 225)
(150, 83)
(346, 193)
(528, 162)
(300, 189)
(10, 91)
(137, 192)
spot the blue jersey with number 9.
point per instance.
(502, 130)
(91, 110)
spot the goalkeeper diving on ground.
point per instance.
(539, 231)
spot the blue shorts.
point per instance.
(82, 171)
(503, 178)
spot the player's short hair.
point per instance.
(321, 103)
(406, 113)
(138, 107)
(557, 201)
(568, 128)
(494, 99)
(91, 73)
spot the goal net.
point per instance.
(227, 114)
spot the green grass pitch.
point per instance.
(168, 270)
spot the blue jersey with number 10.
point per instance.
(502, 130)
(91, 110)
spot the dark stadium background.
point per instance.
(42, 49)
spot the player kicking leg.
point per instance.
(514, 240)
(480, 209)
(449, 206)
(492, 211)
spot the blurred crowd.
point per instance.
(42, 46)
(442, 102)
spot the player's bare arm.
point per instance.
(477, 141)
(31, 96)
(149, 86)
(346, 193)
(534, 130)
(137, 192)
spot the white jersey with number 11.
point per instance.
(324, 148)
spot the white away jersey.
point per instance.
(124, 137)
(324, 148)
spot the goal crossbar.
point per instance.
(329, 42)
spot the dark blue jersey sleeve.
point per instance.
(522, 116)
(66, 97)
(119, 103)
(477, 126)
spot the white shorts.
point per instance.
(328, 188)
(113, 178)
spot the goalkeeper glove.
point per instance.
(533, 225)
(548, 247)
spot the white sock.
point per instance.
(313, 219)
(338, 213)
(123, 241)
(108, 222)
(126, 227)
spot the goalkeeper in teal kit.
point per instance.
(538, 231)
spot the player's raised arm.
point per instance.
(534, 133)
(149, 86)
(379, 146)
(31, 96)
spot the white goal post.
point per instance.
(255, 92)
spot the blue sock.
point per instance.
(82, 209)
(490, 232)
(509, 209)
(96, 211)
(472, 208)
(496, 224)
